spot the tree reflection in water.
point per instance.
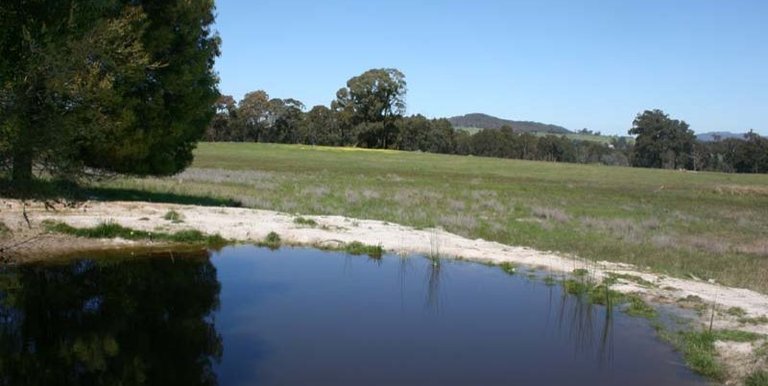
(146, 321)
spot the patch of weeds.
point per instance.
(195, 236)
(693, 299)
(358, 248)
(580, 272)
(173, 216)
(758, 378)
(4, 230)
(272, 241)
(736, 311)
(633, 278)
(575, 287)
(698, 349)
(111, 230)
(636, 306)
(508, 267)
(762, 319)
(603, 295)
(736, 336)
(305, 221)
(550, 281)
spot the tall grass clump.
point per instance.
(271, 241)
(358, 248)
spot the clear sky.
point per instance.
(592, 64)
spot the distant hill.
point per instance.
(710, 137)
(485, 121)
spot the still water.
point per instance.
(251, 316)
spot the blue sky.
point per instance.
(578, 64)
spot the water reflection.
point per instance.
(105, 322)
(580, 319)
(300, 316)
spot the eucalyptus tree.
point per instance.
(372, 102)
(661, 142)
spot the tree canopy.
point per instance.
(110, 85)
(370, 103)
(661, 142)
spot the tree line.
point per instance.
(370, 112)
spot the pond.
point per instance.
(251, 316)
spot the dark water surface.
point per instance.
(250, 316)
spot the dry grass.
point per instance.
(553, 214)
(742, 190)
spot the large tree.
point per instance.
(661, 142)
(121, 86)
(373, 101)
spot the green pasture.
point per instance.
(710, 225)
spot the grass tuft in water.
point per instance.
(272, 241)
(508, 267)
(358, 248)
(636, 306)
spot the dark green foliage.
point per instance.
(661, 142)
(358, 248)
(508, 267)
(272, 241)
(112, 85)
(746, 155)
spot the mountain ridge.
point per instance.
(485, 121)
(710, 136)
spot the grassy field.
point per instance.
(709, 225)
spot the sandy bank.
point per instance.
(250, 225)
